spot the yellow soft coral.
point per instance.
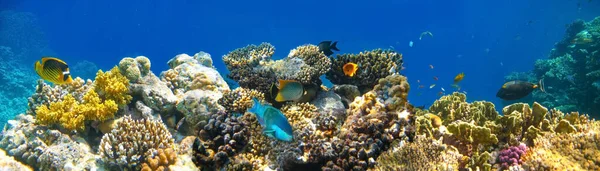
(71, 115)
(113, 85)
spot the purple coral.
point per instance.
(512, 156)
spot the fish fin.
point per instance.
(334, 46)
(269, 132)
(279, 98)
(541, 85)
(46, 58)
(38, 68)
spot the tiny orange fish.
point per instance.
(421, 86)
(435, 78)
(440, 93)
(350, 69)
(430, 66)
(459, 77)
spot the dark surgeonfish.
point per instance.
(327, 46)
(517, 89)
(53, 70)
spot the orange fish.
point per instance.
(431, 66)
(421, 86)
(350, 69)
(459, 77)
(440, 93)
(435, 78)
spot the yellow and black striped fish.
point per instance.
(53, 70)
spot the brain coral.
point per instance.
(132, 140)
(372, 65)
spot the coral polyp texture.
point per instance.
(131, 141)
(372, 66)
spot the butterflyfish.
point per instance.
(350, 69)
(53, 70)
(288, 90)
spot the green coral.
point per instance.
(473, 134)
(134, 68)
(372, 66)
(454, 107)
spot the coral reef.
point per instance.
(421, 154)
(9, 163)
(45, 149)
(190, 73)
(512, 156)
(571, 69)
(134, 68)
(239, 100)
(373, 65)
(131, 141)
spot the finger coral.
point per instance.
(372, 66)
(131, 140)
(72, 115)
(113, 85)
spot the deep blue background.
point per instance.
(471, 36)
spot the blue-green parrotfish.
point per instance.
(275, 124)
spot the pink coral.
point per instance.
(512, 155)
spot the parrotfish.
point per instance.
(275, 124)
(517, 89)
(53, 70)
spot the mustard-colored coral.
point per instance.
(72, 115)
(422, 154)
(113, 86)
(160, 161)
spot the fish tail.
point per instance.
(334, 46)
(38, 67)
(255, 106)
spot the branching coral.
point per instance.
(160, 161)
(71, 115)
(421, 154)
(311, 62)
(373, 65)
(113, 86)
(131, 141)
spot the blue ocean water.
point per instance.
(484, 39)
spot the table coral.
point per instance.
(373, 65)
(131, 140)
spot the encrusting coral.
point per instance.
(160, 161)
(373, 65)
(133, 140)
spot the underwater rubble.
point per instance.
(188, 118)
